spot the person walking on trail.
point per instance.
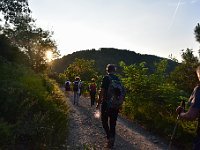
(194, 111)
(93, 90)
(67, 85)
(110, 100)
(77, 90)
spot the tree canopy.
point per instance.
(83, 68)
(184, 74)
(13, 9)
(20, 28)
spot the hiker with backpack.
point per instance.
(92, 89)
(67, 85)
(77, 90)
(111, 98)
(194, 111)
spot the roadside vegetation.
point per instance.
(34, 113)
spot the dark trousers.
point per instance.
(196, 144)
(109, 118)
(92, 97)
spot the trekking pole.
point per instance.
(175, 127)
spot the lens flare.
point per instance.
(97, 114)
(49, 55)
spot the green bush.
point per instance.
(151, 100)
(33, 109)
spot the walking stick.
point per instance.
(174, 131)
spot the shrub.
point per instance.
(33, 109)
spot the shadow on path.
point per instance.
(86, 132)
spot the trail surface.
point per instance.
(86, 132)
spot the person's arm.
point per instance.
(194, 109)
(192, 114)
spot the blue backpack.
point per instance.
(115, 94)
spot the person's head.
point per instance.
(111, 68)
(198, 72)
(93, 80)
(77, 78)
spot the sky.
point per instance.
(155, 27)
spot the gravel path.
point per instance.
(86, 132)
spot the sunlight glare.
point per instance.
(49, 55)
(97, 114)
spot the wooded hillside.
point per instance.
(105, 56)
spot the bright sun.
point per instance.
(49, 55)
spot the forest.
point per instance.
(34, 113)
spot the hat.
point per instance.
(111, 68)
(77, 78)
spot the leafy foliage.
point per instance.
(11, 53)
(23, 33)
(34, 42)
(151, 99)
(83, 68)
(33, 110)
(12, 9)
(184, 75)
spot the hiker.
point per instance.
(109, 111)
(194, 111)
(92, 89)
(67, 85)
(77, 90)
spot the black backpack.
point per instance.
(76, 86)
(115, 93)
(67, 86)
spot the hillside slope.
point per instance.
(105, 56)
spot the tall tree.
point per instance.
(25, 35)
(12, 9)
(34, 41)
(184, 75)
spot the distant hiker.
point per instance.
(194, 111)
(111, 97)
(93, 90)
(77, 90)
(67, 85)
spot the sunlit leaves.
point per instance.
(21, 29)
(34, 42)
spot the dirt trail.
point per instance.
(86, 132)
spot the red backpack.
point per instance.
(93, 87)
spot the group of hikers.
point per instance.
(77, 89)
(112, 94)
